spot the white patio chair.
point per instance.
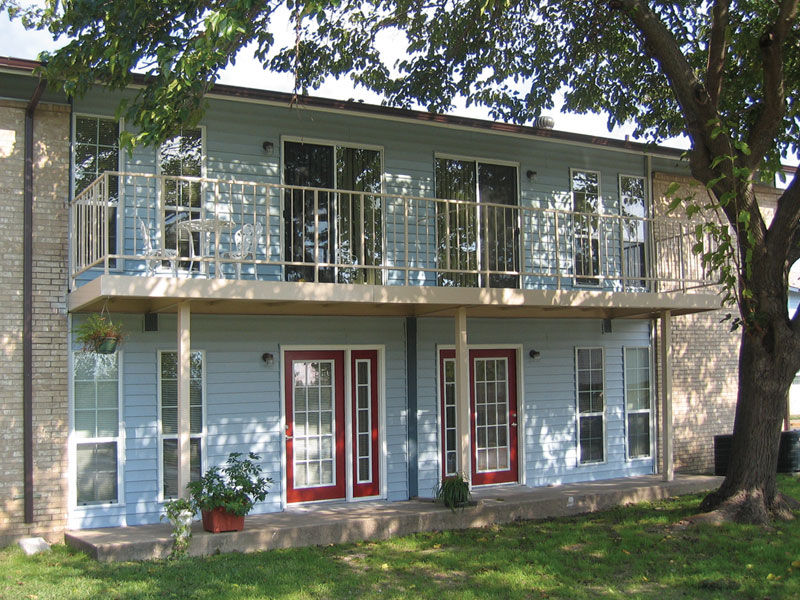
(244, 240)
(151, 256)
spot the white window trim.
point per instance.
(333, 144)
(649, 411)
(161, 207)
(161, 437)
(486, 161)
(579, 414)
(120, 167)
(356, 476)
(74, 440)
(600, 211)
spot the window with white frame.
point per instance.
(96, 427)
(182, 200)
(591, 404)
(168, 386)
(638, 401)
(585, 188)
(95, 148)
(633, 209)
(449, 449)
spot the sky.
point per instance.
(16, 42)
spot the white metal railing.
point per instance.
(161, 225)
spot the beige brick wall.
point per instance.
(705, 358)
(51, 177)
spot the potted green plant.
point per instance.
(224, 495)
(453, 492)
(99, 334)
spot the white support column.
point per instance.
(667, 472)
(462, 393)
(184, 375)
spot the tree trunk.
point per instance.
(749, 492)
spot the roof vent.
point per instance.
(544, 122)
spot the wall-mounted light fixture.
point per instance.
(535, 354)
(268, 147)
(268, 358)
(606, 327)
(530, 174)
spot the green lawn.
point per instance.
(630, 552)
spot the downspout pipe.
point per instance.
(27, 303)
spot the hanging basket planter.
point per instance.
(99, 334)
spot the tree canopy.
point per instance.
(725, 73)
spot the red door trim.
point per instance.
(511, 474)
(337, 490)
(372, 488)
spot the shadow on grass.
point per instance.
(631, 552)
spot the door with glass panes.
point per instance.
(493, 415)
(317, 421)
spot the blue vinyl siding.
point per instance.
(235, 132)
(549, 423)
(243, 399)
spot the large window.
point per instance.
(591, 404)
(95, 151)
(321, 227)
(632, 206)
(638, 401)
(168, 385)
(96, 427)
(585, 186)
(482, 232)
(182, 156)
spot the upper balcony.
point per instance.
(145, 241)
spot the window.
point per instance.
(96, 427)
(168, 386)
(449, 450)
(181, 156)
(585, 186)
(95, 151)
(591, 404)
(637, 401)
(323, 227)
(472, 237)
(633, 210)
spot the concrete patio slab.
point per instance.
(336, 523)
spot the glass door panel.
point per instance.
(497, 185)
(315, 426)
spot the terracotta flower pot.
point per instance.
(219, 520)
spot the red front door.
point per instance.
(315, 433)
(364, 378)
(493, 415)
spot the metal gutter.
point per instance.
(27, 304)
(243, 94)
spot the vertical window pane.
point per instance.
(590, 403)
(637, 401)
(169, 418)
(96, 473)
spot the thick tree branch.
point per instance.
(785, 226)
(691, 94)
(773, 106)
(717, 49)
